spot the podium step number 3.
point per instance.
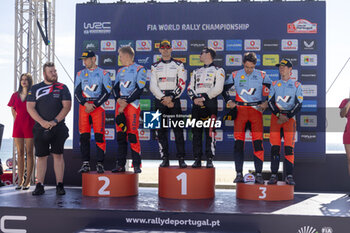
(188, 183)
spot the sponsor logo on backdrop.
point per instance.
(270, 59)
(143, 60)
(233, 60)
(157, 57)
(252, 45)
(172, 135)
(266, 120)
(294, 75)
(219, 60)
(217, 45)
(308, 121)
(234, 45)
(308, 75)
(143, 45)
(124, 43)
(156, 45)
(309, 90)
(90, 45)
(182, 59)
(219, 135)
(145, 104)
(111, 74)
(97, 28)
(308, 45)
(197, 45)
(220, 105)
(179, 45)
(327, 230)
(302, 26)
(289, 45)
(109, 134)
(110, 120)
(308, 59)
(271, 45)
(183, 104)
(108, 45)
(292, 57)
(194, 60)
(144, 134)
(308, 137)
(108, 60)
(274, 75)
(258, 63)
(309, 106)
(109, 105)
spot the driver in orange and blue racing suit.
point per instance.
(92, 88)
(249, 84)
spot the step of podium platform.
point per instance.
(186, 183)
(110, 184)
(278, 192)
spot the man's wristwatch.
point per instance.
(55, 120)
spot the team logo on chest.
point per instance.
(251, 91)
(284, 99)
(125, 84)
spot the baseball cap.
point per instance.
(209, 50)
(87, 54)
(165, 43)
(285, 62)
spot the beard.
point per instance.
(51, 78)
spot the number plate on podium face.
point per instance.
(110, 184)
(278, 192)
(186, 183)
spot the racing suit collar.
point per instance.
(211, 64)
(92, 69)
(167, 61)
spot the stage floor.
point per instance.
(321, 211)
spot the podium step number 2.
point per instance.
(188, 183)
(110, 184)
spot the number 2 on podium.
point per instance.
(183, 178)
(102, 190)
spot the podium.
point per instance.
(277, 192)
(110, 184)
(186, 183)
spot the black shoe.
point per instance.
(165, 162)
(1, 183)
(290, 180)
(182, 163)
(39, 190)
(99, 168)
(197, 163)
(273, 179)
(137, 169)
(259, 179)
(85, 168)
(118, 169)
(239, 178)
(210, 163)
(60, 189)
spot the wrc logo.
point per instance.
(283, 99)
(251, 91)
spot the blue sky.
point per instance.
(338, 51)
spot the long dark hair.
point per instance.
(29, 79)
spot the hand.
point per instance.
(122, 105)
(53, 124)
(170, 105)
(282, 119)
(166, 100)
(89, 107)
(46, 125)
(262, 107)
(231, 104)
(198, 101)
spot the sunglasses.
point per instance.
(165, 47)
